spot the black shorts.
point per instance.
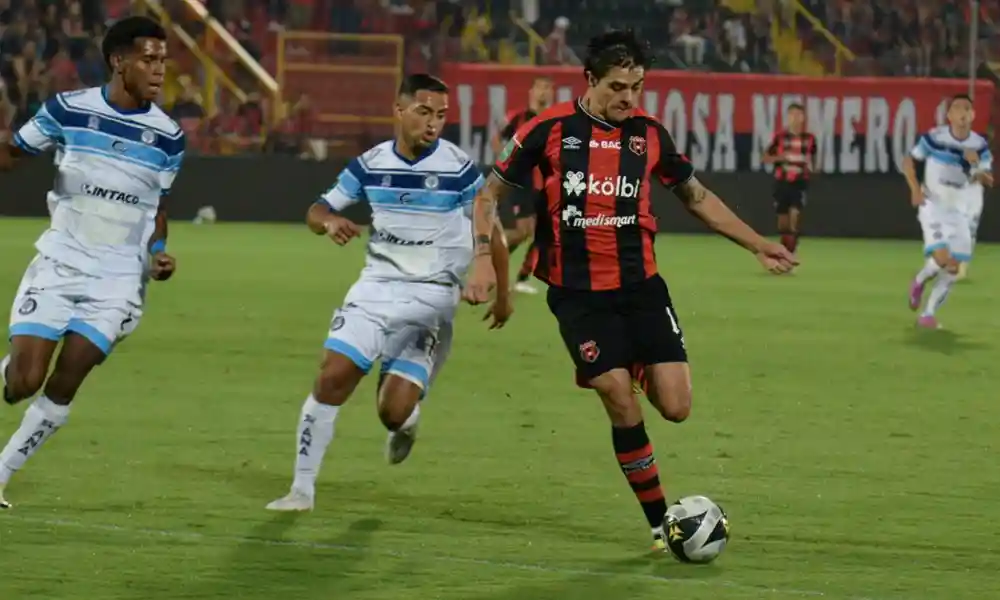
(618, 329)
(788, 196)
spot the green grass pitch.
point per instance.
(855, 456)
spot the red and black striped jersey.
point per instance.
(515, 119)
(595, 228)
(796, 151)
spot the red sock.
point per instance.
(790, 241)
(635, 457)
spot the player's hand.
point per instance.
(481, 281)
(917, 198)
(972, 157)
(162, 266)
(776, 258)
(501, 310)
(341, 230)
(985, 178)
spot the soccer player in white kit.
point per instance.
(957, 164)
(117, 155)
(400, 311)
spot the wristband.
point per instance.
(158, 247)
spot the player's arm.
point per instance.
(163, 265)
(324, 218)
(983, 170)
(771, 155)
(913, 166)
(42, 133)
(506, 133)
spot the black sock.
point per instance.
(635, 457)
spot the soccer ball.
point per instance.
(697, 529)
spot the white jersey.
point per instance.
(113, 167)
(947, 175)
(421, 211)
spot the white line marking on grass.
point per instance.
(447, 558)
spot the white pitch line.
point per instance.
(496, 564)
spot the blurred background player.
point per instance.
(86, 287)
(792, 152)
(522, 202)
(400, 311)
(597, 230)
(946, 171)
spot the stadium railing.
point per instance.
(352, 79)
(793, 53)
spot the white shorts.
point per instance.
(946, 227)
(407, 326)
(55, 299)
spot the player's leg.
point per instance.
(658, 343)
(936, 255)
(782, 205)
(354, 343)
(521, 283)
(595, 334)
(957, 250)
(973, 220)
(795, 221)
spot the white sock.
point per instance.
(939, 293)
(314, 434)
(42, 419)
(931, 268)
(413, 418)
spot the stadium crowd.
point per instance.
(47, 46)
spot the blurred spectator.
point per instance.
(557, 50)
(91, 67)
(63, 73)
(690, 42)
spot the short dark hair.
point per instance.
(618, 48)
(958, 97)
(422, 82)
(540, 79)
(796, 106)
(121, 37)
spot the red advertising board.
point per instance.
(725, 121)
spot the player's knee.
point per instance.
(669, 390)
(396, 399)
(620, 402)
(25, 378)
(337, 379)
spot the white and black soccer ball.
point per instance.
(697, 529)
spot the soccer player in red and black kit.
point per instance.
(792, 151)
(522, 201)
(598, 156)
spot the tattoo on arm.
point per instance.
(485, 214)
(691, 192)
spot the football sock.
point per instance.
(790, 240)
(3, 380)
(314, 434)
(528, 266)
(931, 268)
(42, 419)
(939, 293)
(635, 456)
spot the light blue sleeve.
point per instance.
(923, 148)
(44, 131)
(350, 187)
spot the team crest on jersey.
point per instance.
(337, 323)
(30, 305)
(387, 181)
(431, 182)
(149, 137)
(637, 144)
(94, 122)
(589, 351)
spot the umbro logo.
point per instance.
(571, 143)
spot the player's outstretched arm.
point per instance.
(485, 222)
(711, 210)
(502, 307)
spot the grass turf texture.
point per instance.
(853, 453)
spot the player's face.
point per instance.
(422, 119)
(541, 94)
(960, 114)
(144, 69)
(795, 119)
(617, 94)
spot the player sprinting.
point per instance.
(596, 240)
(118, 155)
(522, 202)
(793, 152)
(956, 163)
(400, 311)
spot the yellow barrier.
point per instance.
(535, 41)
(213, 73)
(792, 55)
(367, 68)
